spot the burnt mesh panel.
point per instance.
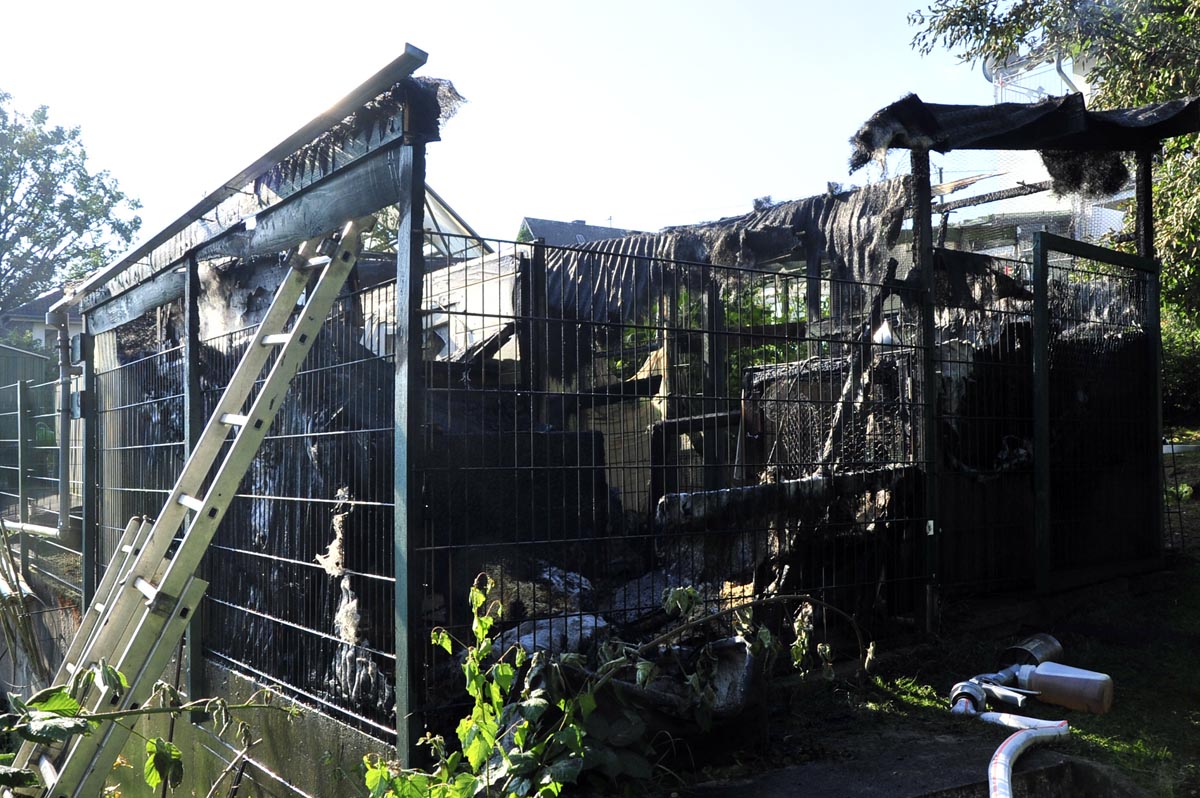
(301, 570)
(141, 428)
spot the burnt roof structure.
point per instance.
(1057, 123)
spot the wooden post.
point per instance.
(812, 296)
(716, 376)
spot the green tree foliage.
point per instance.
(1136, 52)
(58, 220)
(1181, 370)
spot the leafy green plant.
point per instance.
(517, 740)
(534, 727)
(1182, 492)
(57, 713)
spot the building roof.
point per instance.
(570, 234)
(37, 307)
(16, 350)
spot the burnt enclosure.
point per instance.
(809, 398)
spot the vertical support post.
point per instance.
(24, 463)
(64, 424)
(923, 262)
(193, 425)
(1043, 549)
(539, 329)
(1144, 188)
(89, 409)
(409, 431)
(812, 296)
(532, 330)
(716, 373)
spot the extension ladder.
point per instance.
(148, 594)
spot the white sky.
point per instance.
(652, 113)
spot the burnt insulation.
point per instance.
(1092, 174)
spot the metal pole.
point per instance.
(89, 409)
(59, 320)
(193, 425)
(1144, 183)
(24, 411)
(408, 435)
(923, 262)
(1042, 528)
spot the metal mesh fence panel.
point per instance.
(140, 430)
(601, 426)
(1103, 445)
(302, 566)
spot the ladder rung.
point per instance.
(99, 607)
(235, 420)
(71, 667)
(276, 339)
(191, 502)
(46, 767)
(318, 261)
(145, 588)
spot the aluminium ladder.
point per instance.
(147, 595)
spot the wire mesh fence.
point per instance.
(302, 565)
(598, 424)
(1104, 474)
(602, 426)
(140, 428)
(30, 480)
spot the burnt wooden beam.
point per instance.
(248, 191)
(1022, 190)
(359, 189)
(145, 296)
(711, 509)
(790, 330)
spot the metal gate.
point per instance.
(1097, 423)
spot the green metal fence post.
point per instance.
(1043, 549)
(923, 264)
(409, 427)
(24, 464)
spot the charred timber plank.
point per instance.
(152, 293)
(685, 424)
(357, 190)
(711, 509)
(1022, 190)
(561, 407)
(791, 330)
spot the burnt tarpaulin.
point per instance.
(1056, 123)
(616, 280)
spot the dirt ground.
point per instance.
(891, 732)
